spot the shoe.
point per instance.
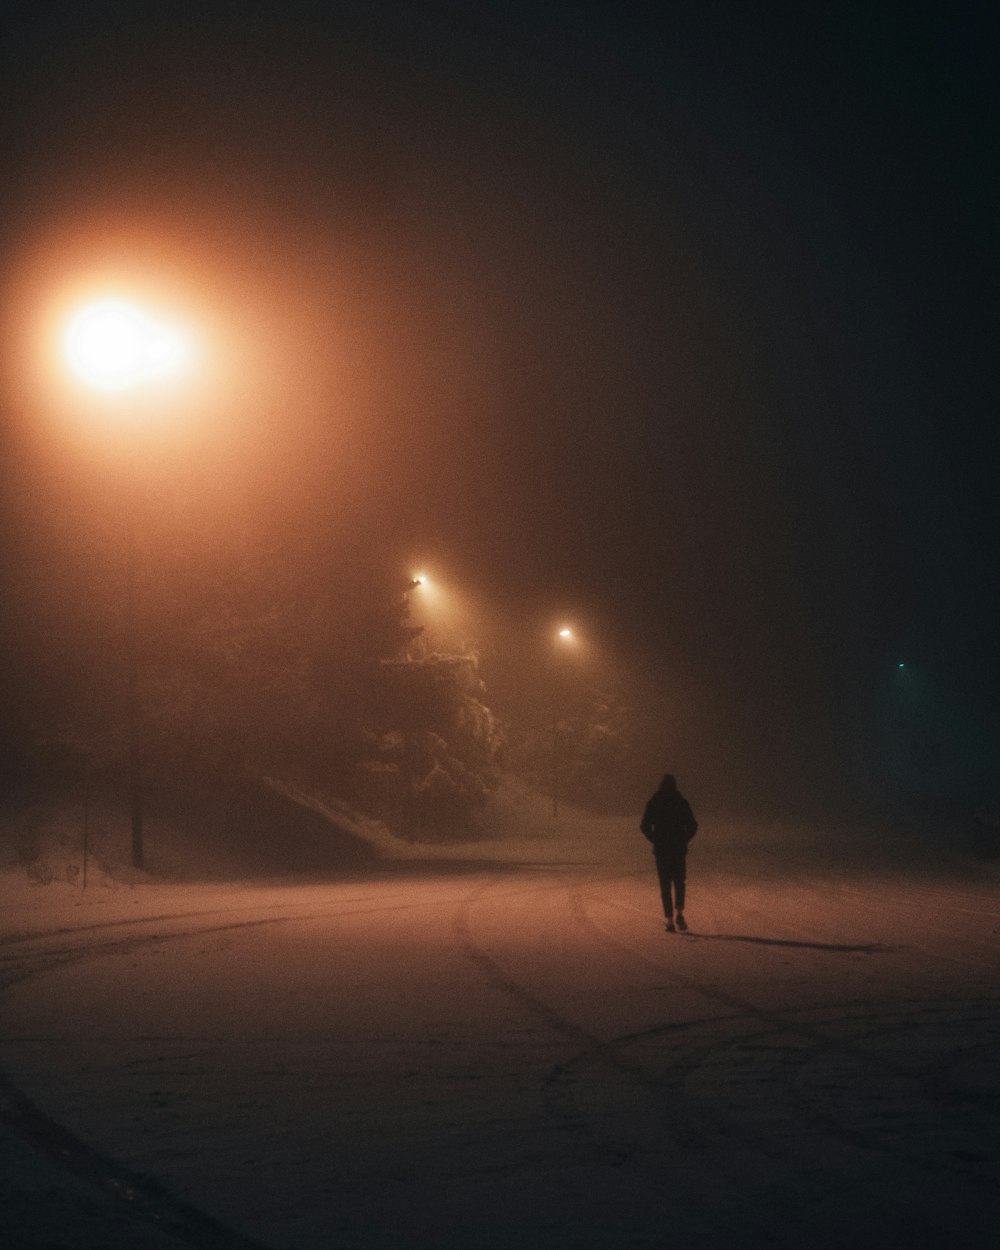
(681, 922)
(670, 927)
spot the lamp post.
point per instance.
(564, 638)
(112, 346)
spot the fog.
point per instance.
(572, 394)
(575, 394)
(651, 327)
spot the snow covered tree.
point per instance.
(435, 742)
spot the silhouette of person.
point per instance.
(669, 824)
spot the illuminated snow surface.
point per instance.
(499, 1046)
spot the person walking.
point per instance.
(669, 824)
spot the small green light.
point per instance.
(901, 665)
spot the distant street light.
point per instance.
(564, 638)
(112, 346)
(433, 605)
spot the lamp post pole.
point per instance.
(564, 638)
(133, 711)
(113, 346)
(555, 756)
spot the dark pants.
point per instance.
(671, 868)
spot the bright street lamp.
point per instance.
(564, 639)
(112, 346)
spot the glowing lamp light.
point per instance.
(112, 345)
(566, 633)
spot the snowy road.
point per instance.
(512, 1053)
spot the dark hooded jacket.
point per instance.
(668, 821)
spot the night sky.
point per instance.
(677, 321)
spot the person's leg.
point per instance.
(663, 872)
(680, 881)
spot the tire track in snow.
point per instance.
(856, 1048)
(686, 1133)
(683, 1132)
(142, 1197)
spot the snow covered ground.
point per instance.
(498, 1046)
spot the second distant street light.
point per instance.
(112, 346)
